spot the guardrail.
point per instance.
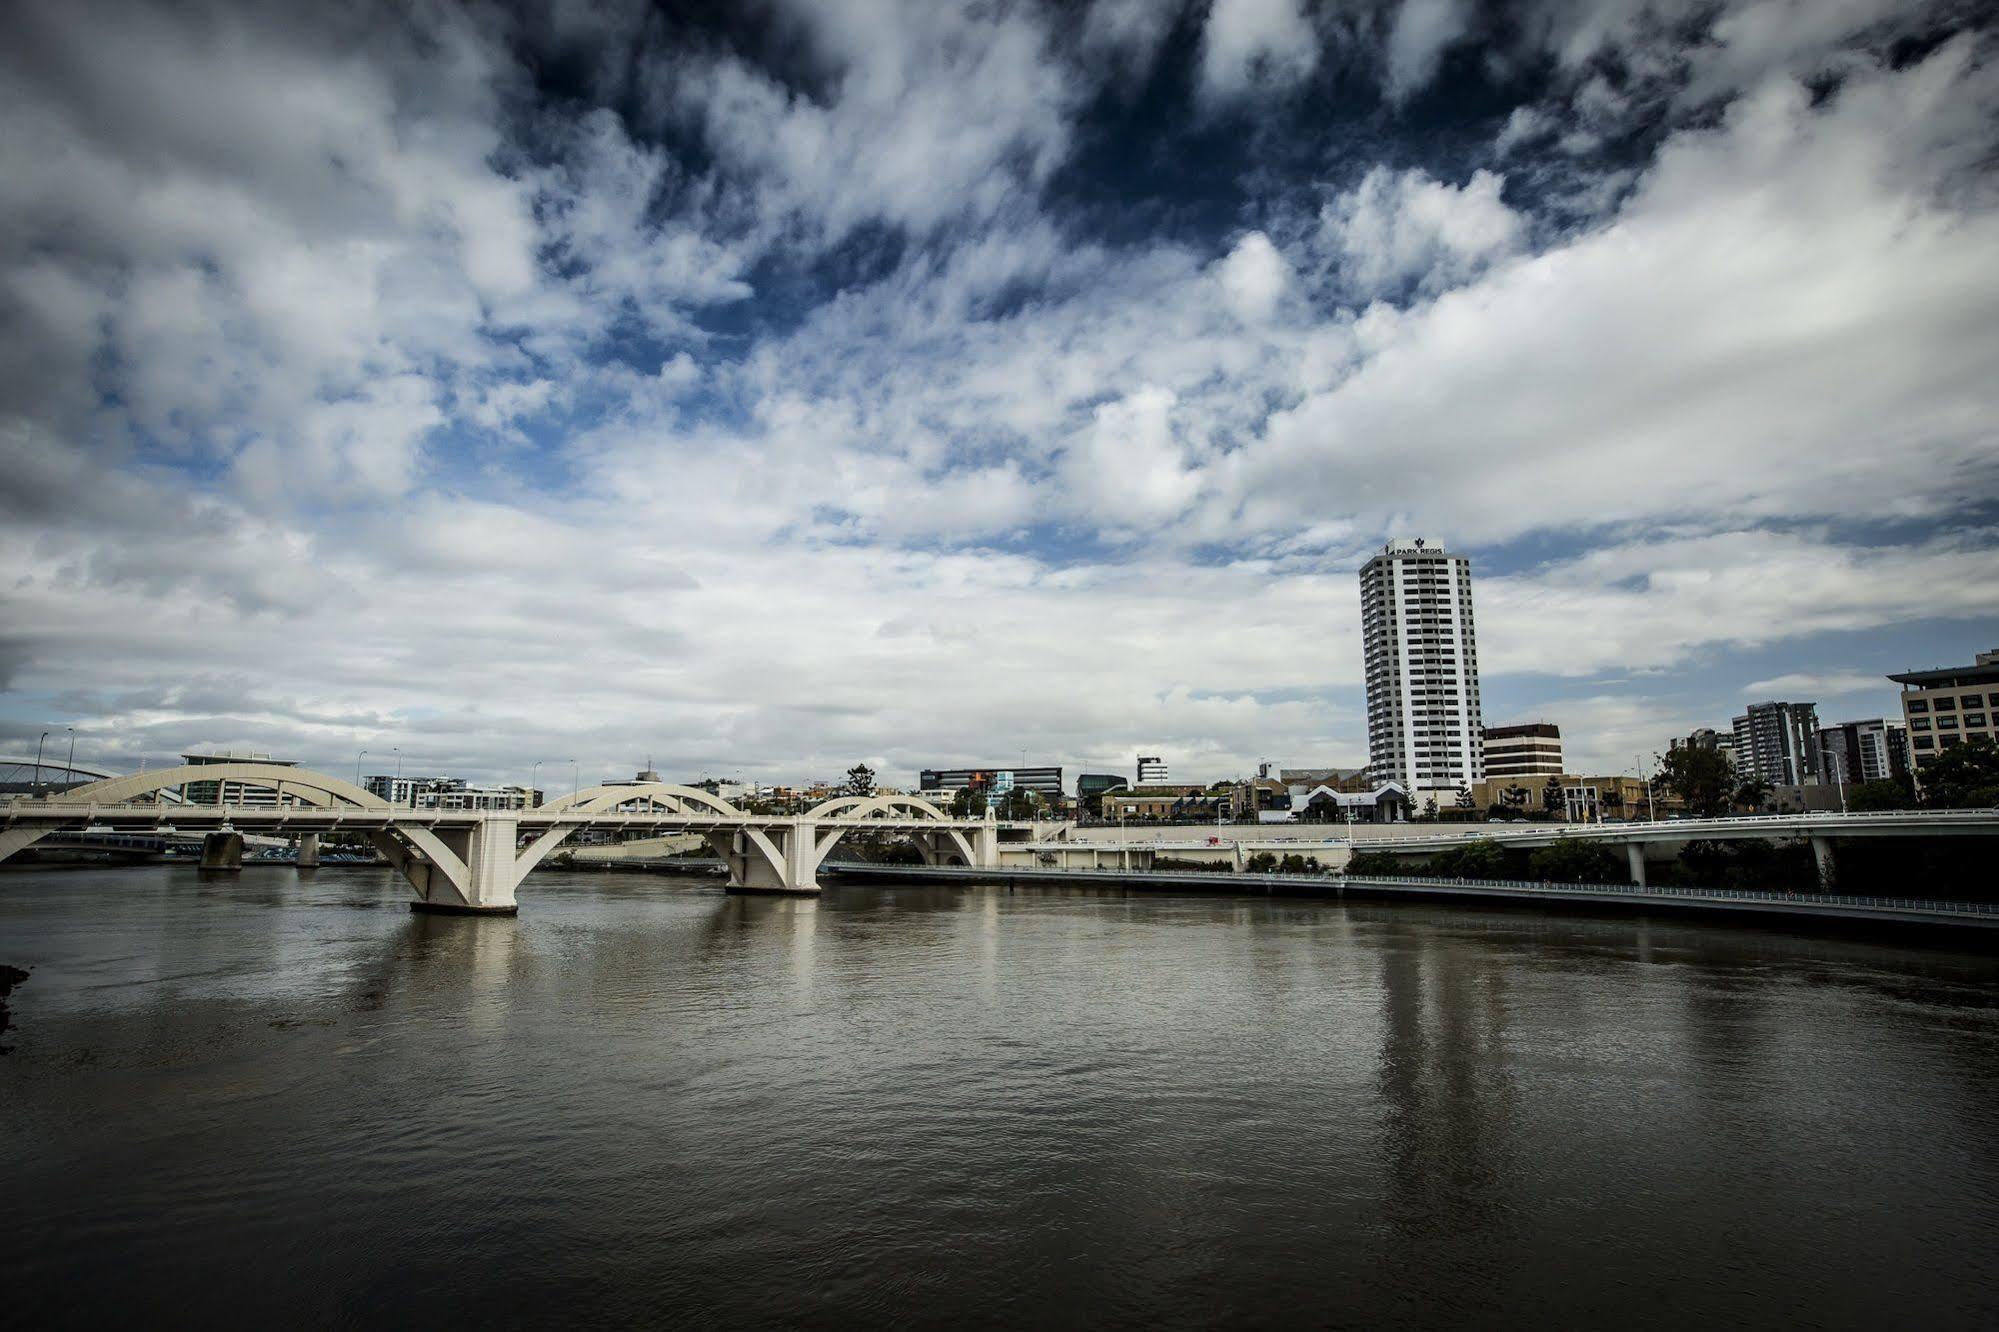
(1913, 905)
(1930, 905)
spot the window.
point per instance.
(1974, 719)
(1919, 723)
(1925, 742)
(1947, 705)
(1919, 705)
(1946, 723)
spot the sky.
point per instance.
(766, 387)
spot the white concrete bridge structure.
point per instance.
(1136, 848)
(473, 861)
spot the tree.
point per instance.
(1430, 808)
(1572, 861)
(968, 804)
(1465, 800)
(1479, 858)
(1883, 793)
(1019, 803)
(860, 780)
(1551, 796)
(1515, 797)
(1752, 793)
(1962, 776)
(1701, 778)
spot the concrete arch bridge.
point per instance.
(474, 860)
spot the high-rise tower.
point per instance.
(1423, 726)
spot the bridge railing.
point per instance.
(1717, 894)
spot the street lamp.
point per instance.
(575, 778)
(1651, 803)
(358, 756)
(534, 777)
(38, 761)
(69, 773)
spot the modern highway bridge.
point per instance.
(473, 860)
(1075, 849)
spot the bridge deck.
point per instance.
(1801, 906)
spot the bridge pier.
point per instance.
(1634, 853)
(222, 852)
(462, 871)
(308, 851)
(1822, 854)
(783, 858)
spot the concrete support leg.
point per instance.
(1822, 853)
(20, 839)
(308, 851)
(222, 851)
(468, 871)
(782, 859)
(1635, 852)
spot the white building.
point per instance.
(1423, 727)
(234, 792)
(1151, 770)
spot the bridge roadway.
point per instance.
(1428, 839)
(472, 861)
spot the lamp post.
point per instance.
(575, 778)
(1651, 803)
(70, 771)
(358, 756)
(534, 777)
(38, 761)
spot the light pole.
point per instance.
(70, 771)
(534, 777)
(38, 761)
(397, 750)
(575, 778)
(1651, 804)
(358, 756)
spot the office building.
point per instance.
(1947, 706)
(1151, 770)
(1091, 786)
(1044, 782)
(1531, 750)
(1423, 727)
(1864, 751)
(234, 792)
(1706, 737)
(1779, 742)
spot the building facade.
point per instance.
(1044, 782)
(1531, 750)
(1949, 706)
(1423, 727)
(1722, 742)
(1864, 751)
(233, 792)
(1151, 770)
(1779, 742)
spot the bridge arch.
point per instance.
(675, 798)
(864, 807)
(939, 847)
(311, 788)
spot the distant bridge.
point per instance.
(1333, 845)
(471, 860)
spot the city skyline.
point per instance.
(917, 386)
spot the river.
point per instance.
(282, 1097)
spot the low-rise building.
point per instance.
(234, 792)
(1045, 782)
(1948, 706)
(1533, 749)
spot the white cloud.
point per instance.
(1398, 229)
(1810, 686)
(1254, 278)
(1255, 46)
(1422, 31)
